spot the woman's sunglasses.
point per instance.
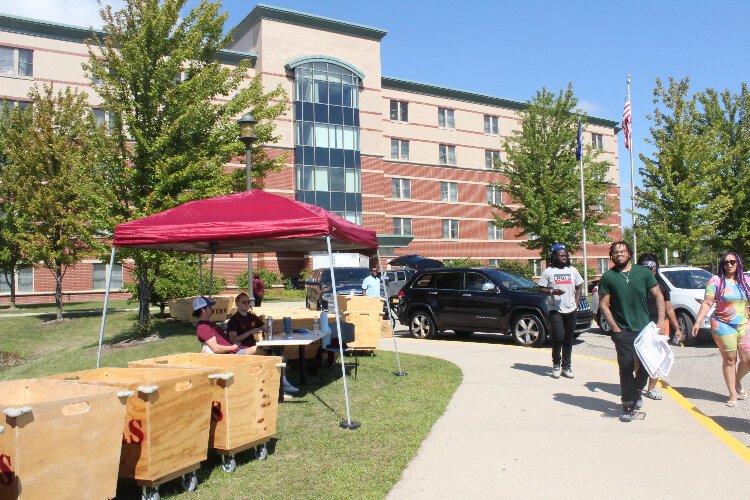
(729, 262)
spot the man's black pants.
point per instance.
(630, 385)
(563, 331)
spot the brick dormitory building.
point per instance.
(410, 160)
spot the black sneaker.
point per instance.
(627, 414)
(639, 404)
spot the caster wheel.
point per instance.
(190, 481)
(150, 493)
(228, 463)
(261, 452)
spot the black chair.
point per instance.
(347, 337)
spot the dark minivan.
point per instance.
(468, 300)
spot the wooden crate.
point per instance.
(244, 406)
(182, 309)
(65, 444)
(165, 432)
(359, 303)
(386, 329)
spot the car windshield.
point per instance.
(510, 280)
(347, 275)
(690, 279)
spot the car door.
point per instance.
(446, 296)
(478, 301)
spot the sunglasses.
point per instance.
(244, 301)
(730, 262)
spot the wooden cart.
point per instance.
(165, 433)
(56, 439)
(244, 402)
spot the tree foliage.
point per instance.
(173, 107)
(542, 176)
(55, 165)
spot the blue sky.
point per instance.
(511, 49)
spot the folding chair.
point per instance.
(347, 337)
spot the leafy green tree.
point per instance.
(542, 177)
(269, 278)
(518, 267)
(55, 163)
(680, 211)
(174, 106)
(464, 262)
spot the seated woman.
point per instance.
(243, 325)
(211, 334)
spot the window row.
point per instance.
(16, 62)
(309, 155)
(25, 279)
(332, 179)
(325, 113)
(403, 226)
(347, 205)
(324, 135)
(401, 188)
(446, 153)
(446, 117)
(326, 84)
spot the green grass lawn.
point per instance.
(311, 457)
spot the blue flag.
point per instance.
(579, 144)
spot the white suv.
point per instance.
(686, 287)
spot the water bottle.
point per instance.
(676, 340)
(269, 325)
(316, 326)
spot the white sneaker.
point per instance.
(567, 373)
(556, 370)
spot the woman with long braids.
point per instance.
(730, 290)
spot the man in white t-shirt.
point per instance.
(371, 284)
(563, 285)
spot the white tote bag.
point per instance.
(654, 351)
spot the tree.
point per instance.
(54, 164)
(680, 211)
(542, 177)
(174, 107)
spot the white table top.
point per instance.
(281, 339)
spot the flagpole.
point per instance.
(583, 210)
(632, 178)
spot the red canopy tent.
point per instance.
(253, 221)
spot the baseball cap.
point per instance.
(201, 302)
(557, 246)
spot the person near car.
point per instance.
(729, 290)
(562, 283)
(651, 262)
(623, 292)
(259, 288)
(371, 284)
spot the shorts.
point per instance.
(730, 337)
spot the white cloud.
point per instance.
(591, 108)
(82, 13)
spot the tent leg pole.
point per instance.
(104, 309)
(211, 277)
(400, 372)
(200, 274)
(348, 423)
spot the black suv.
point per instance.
(318, 289)
(468, 300)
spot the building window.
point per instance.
(494, 195)
(448, 191)
(446, 118)
(401, 225)
(494, 233)
(399, 149)
(536, 266)
(597, 141)
(16, 62)
(450, 229)
(401, 188)
(491, 125)
(100, 277)
(399, 111)
(531, 236)
(447, 154)
(601, 204)
(490, 157)
(602, 264)
(24, 280)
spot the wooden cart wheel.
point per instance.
(190, 481)
(151, 493)
(228, 463)
(261, 452)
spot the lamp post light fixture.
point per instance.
(247, 136)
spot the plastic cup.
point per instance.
(287, 325)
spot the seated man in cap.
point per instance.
(211, 334)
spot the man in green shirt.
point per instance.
(624, 304)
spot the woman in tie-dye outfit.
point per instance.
(730, 291)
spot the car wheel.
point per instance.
(463, 333)
(528, 330)
(603, 324)
(686, 325)
(421, 325)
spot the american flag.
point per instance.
(627, 123)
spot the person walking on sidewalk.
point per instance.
(563, 285)
(730, 291)
(651, 262)
(623, 292)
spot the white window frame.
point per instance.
(450, 229)
(597, 141)
(447, 154)
(491, 125)
(402, 226)
(17, 62)
(494, 233)
(446, 118)
(104, 267)
(399, 149)
(19, 288)
(494, 195)
(401, 188)
(448, 192)
(602, 264)
(401, 109)
(490, 155)
(536, 266)
(601, 204)
(494, 262)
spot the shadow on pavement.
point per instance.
(544, 371)
(613, 389)
(608, 409)
(732, 424)
(695, 393)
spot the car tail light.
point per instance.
(400, 294)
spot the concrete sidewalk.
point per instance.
(511, 430)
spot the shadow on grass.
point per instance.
(163, 328)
